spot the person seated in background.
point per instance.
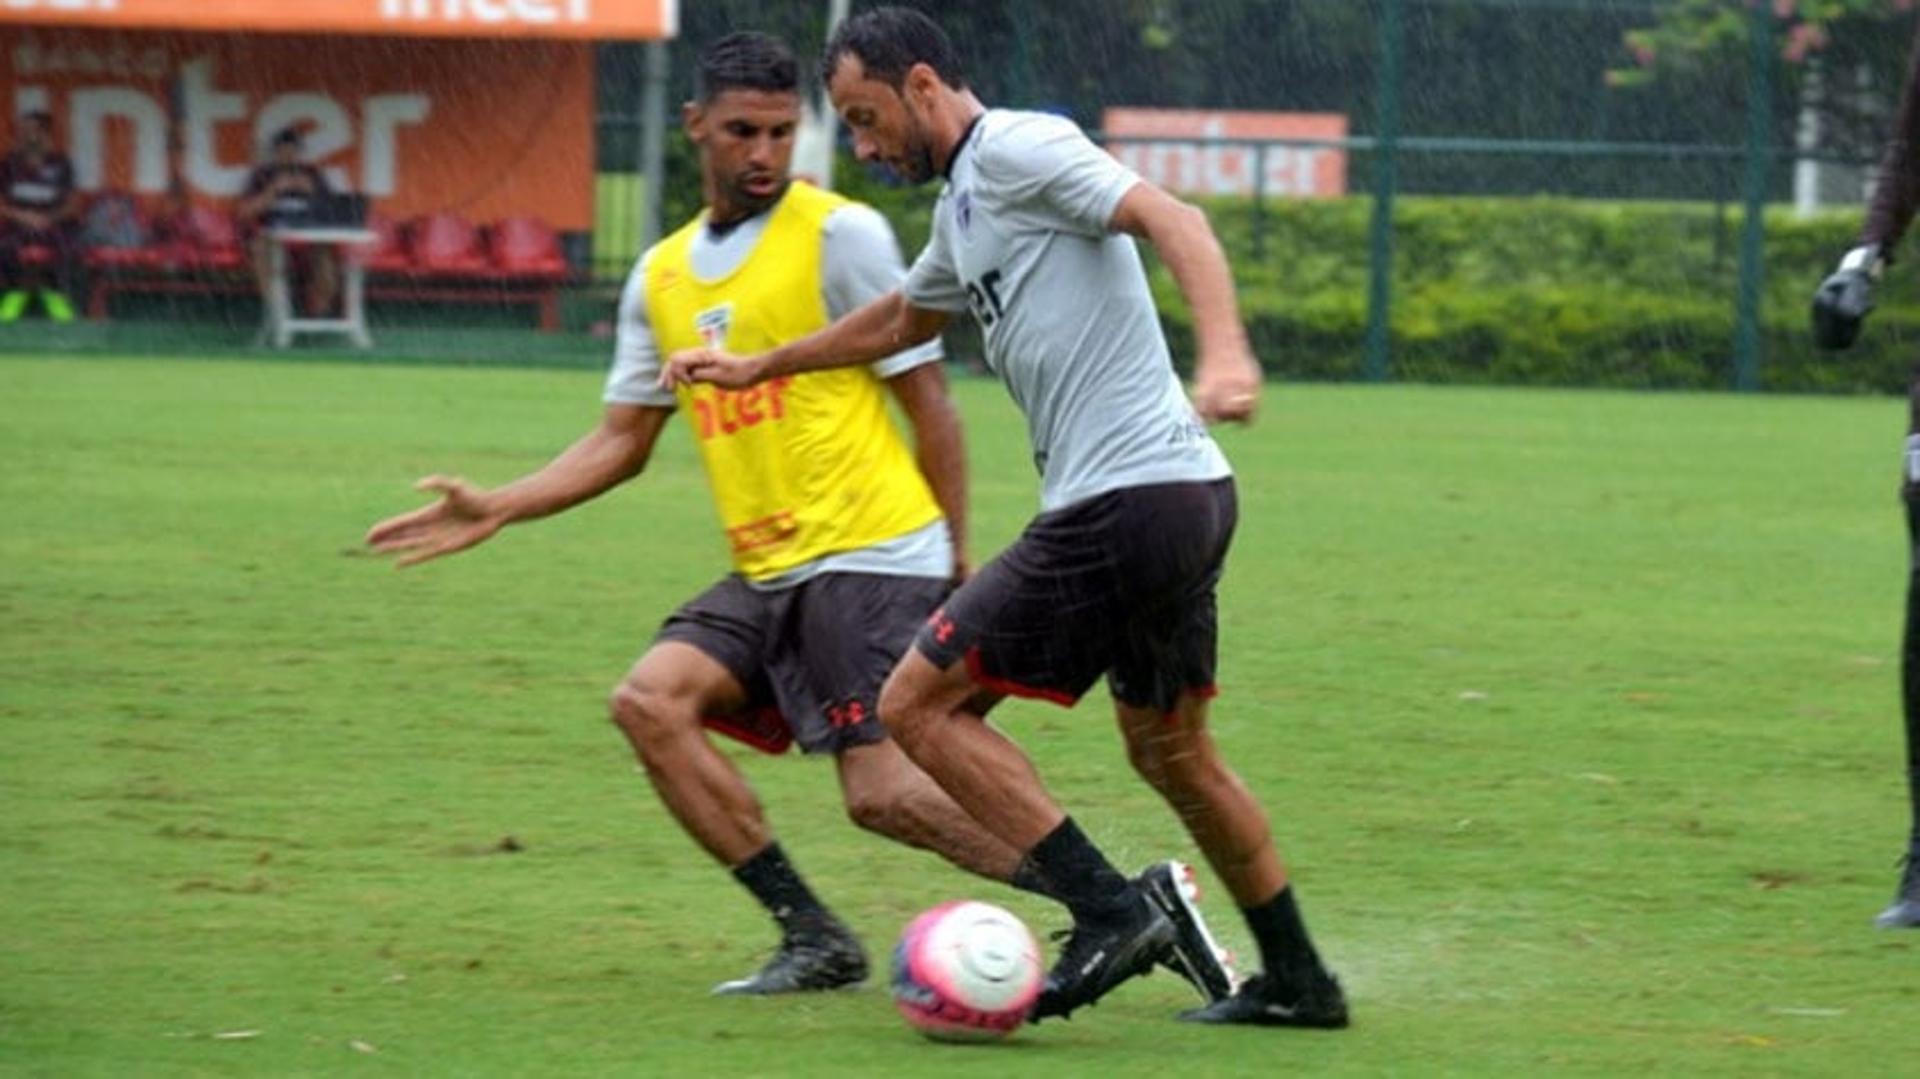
(38, 208)
(282, 190)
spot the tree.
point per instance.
(1844, 60)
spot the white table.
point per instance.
(281, 324)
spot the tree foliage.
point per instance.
(1843, 59)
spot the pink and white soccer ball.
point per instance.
(966, 971)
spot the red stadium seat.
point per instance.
(206, 240)
(193, 252)
(446, 243)
(527, 247)
(36, 256)
(452, 261)
(388, 251)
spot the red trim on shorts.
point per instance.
(1205, 693)
(1012, 688)
(765, 729)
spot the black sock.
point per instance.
(1067, 867)
(1285, 950)
(1028, 879)
(773, 881)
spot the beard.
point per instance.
(918, 165)
(915, 164)
(749, 203)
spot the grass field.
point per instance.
(1575, 711)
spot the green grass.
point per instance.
(1575, 711)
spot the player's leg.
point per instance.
(659, 706)
(1173, 751)
(1118, 932)
(1002, 632)
(838, 639)
(1162, 681)
(931, 713)
(887, 794)
(703, 670)
(1904, 912)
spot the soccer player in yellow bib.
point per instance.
(843, 541)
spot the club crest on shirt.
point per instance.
(712, 325)
(963, 210)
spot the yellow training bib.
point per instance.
(802, 466)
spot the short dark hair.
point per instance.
(889, 41)
(39, 116)
(288, 136)
(746, 61)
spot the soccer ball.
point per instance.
(966, 972)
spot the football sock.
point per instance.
(773, 881)
(1028, 879)
(1286, 953)
(1075, 872)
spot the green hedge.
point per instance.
(1539, 291)
(1550, 291)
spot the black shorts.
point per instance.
(1121, 584)
(812, 657)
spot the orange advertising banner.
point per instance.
(1198, 169)
(485, 128)
(521, 19)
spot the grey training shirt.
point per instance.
(860, 262)
(1020, 238)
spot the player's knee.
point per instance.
(1149, 763)
(901, 710)
(876, 811)
(1173, 765)
(649, 717)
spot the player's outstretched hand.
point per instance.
(1227, 390)
(1842, 301)
(710, 365)
(460, 519)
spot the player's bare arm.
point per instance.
(1226, 377)
(888, 325)
(939, 448)
(466, 515)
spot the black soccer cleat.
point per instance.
(1195, 955)
(1100, 955)
(1260, 1001)
(809, 960)
(1905, 911)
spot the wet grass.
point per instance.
(1576, 712)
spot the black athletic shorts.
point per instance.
(812, 657)
(1121, 584)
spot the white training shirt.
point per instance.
(1021, 239)
(859, 263)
